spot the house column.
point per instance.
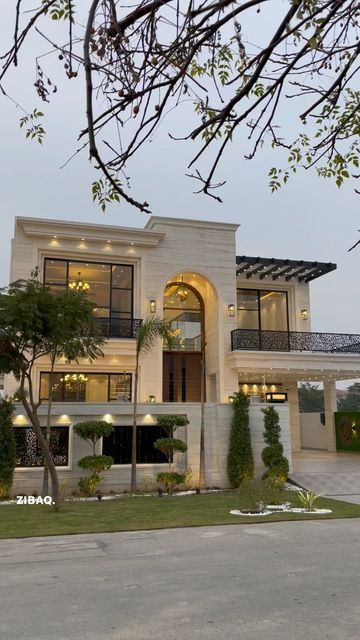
(293, 399)
(330, 408)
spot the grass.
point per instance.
(136, 513)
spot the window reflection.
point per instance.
(264, 310)
(108, 286)
(86, 387)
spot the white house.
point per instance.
(253, 313)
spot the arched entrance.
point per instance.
(184, 311)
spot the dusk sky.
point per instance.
(309, 219)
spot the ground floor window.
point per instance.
(28, 451)
(86, 387)
(118, 445)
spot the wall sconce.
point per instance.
(152, 399)
(231, 399)
(304, 314)
(231, 310)
(152, 306)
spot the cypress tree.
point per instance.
(7, 447)
(240, 463)
(272, 455)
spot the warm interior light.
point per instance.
(79, 285)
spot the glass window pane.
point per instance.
(56, 387)
(273, 309)
(120, 387)
(247, 309)
(120, 303)
(74, 387)
(96, 388)
(121, 276)
(95, 277)
(118, 445)
(55, 271)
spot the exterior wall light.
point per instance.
(231, 399)
(152, 399)
(152, 306)
(304, 314)
(231, 310)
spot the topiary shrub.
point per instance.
(7, 447)
(240, 463)
(170, 480)
(272, 455)
(169, 446)
(91, 431)
(170, 423)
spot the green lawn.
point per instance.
(132, 513)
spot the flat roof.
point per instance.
(303, 270)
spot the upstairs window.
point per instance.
(262, 310)
(108, 286)
(74, 386)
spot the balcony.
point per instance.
(256, 340)
(119, 327)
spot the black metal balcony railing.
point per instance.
(119, 327)
(256, 340)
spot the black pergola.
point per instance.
(276, 268)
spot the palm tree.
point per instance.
(150, 331)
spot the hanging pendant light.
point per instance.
(79, 285)
(182, 292)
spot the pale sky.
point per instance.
(309, 219)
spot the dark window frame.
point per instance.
(95, 373)
(111, 286)
(159, 458)
(259, 291)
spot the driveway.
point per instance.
(336, 475)
(276, 581)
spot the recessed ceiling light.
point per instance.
(132, 244)
(55, 236)
(83, 239)
(109, 241)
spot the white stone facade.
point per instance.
(203, 254)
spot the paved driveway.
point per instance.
(276, 581)
(333, 474)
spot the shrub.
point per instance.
(253, 495)
(92, 431)
(240, 464)
(7, 447)
(275, 491)
(170, 480)
(189, 479)
(171, 423)
(169, 446)
(147, 485)
(307, 499)
(272, 455)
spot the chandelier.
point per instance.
(79, 285)
(74, 377)
(182, 292)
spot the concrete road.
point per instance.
(283, 581)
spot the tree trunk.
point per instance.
(134, 442)
(202, 422)
(33, 417)
(45, 486)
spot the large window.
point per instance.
(183, 311)
(118, 444)
(262, 310)
(109, 286)
(87, 387)
(28, 451)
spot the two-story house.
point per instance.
(252, 313)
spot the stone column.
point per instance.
(293, 399)
(330, 408)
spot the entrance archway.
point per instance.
(183, 309)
